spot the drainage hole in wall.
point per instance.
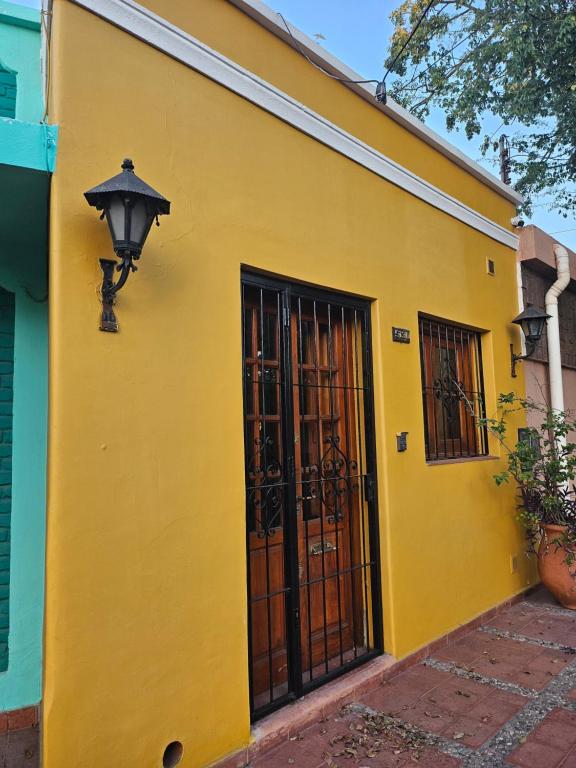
(172, 754)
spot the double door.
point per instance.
(313, 583)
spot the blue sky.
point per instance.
(357, 31)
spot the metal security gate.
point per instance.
(312, 540)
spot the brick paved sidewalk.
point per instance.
(501, 695)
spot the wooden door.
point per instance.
(309, 477)
(327, 483)
(265, 489)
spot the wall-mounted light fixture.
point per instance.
(532, 322)
(130, 206)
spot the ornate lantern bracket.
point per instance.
(130, 206)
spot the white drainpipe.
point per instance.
(553, 328)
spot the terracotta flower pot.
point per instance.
(556, 574)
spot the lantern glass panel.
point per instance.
(533, 328)
(115, 214)
(140, 222)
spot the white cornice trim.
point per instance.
(269, 19)
(173, 41)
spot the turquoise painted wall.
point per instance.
(27, 152)
(28, 145)
(25, 140)
(23, 268)
(20, 51)
(7, 312)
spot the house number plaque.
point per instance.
(401, 335)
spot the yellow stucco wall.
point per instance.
(146, 589)
(232, 32)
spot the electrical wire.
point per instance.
(380, 95)
(45, 21)
(318, 66)
(558, 231)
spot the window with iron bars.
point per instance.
(452, 391)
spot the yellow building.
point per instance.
(274, 471)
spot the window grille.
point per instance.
(452, 391)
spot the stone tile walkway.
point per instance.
(502, 695)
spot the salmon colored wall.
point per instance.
(536, 248)
(146, 577)
(538, 389)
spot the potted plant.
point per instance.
(542, 462)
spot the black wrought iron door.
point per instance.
(313, 566)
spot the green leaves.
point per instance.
(542, 462)
(508, 58)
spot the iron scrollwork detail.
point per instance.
(266, 491)
(337, 473)
(449, 391)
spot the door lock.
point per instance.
(322, 547)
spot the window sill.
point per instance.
(463, 460)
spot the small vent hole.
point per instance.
(172, 754)
(491, 267)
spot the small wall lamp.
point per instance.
(129, 206)
(532, 321)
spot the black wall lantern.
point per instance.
(130, 206)
(532, 322)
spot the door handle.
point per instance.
(322, 547)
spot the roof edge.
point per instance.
(269, 19)
(535, 244)
(28, 145)
(19, 16)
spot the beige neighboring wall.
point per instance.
(537, 386)
(538, 263)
